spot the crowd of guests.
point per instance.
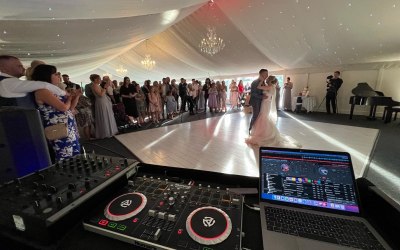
(106, 103)
(159, 100)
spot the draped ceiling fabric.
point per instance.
(97, 36)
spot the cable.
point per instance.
(94, 144)
(255, 208)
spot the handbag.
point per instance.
(55, 132)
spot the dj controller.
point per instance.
(39, 205)
(157, 213)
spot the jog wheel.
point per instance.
(125, 206)
(208, 225)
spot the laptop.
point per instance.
(309, 200)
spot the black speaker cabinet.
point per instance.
(23, 146)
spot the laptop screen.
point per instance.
(321, 179)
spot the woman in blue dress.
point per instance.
(57, 109)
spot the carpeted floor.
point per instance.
(383, 171)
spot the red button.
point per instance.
(180, 231)
(135, 220)
(103, 222)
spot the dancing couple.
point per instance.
(262, 129)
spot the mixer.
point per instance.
(157, 213)
(39, 206)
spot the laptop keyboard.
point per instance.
(323, 228)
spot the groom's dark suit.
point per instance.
(256, 97)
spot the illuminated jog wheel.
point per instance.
(208, 225)
(125, 206)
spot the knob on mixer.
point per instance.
(171, 201)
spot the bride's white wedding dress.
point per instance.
(264, 131)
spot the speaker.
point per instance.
(23, 146)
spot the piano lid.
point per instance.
(363, 89)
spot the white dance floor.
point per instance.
(217, 144)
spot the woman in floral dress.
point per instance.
(57, 109)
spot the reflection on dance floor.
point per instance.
(217, 144)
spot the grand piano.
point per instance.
(365, 95)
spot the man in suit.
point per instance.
(334, 84)
(16, 92)
(256, 95)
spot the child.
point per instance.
(171, 105)
(299, 103)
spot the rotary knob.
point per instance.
(171, 201)
(165, 196)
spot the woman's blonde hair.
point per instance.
(272, 80)
(29, 71)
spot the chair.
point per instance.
(388, 112)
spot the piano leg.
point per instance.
(388, 116)
(351, 111)
(372, 112)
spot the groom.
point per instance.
(256, 95)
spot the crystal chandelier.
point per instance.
(211, 44)
(107, 74)
(148, 63)
(121, 69)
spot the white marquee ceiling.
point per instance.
(82, 37)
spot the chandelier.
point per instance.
(148, 63)
(121, 69)
(211, 44)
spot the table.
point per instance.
(309, 103)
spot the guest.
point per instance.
(154, 98)
(84, 117)
(116, 93)
(190, 99)
(55, 109)
(146, 92)
(287, 94)
(128, 93)
(106, 125)
(89, 93)
(219, 87)
(175, 91)
(240, 90)
(206, 87)
(201, 101)
(16, 92)
(171, 105)
(247, 88)
(278, 95)
(196, 94)
(29, 71)
(332, 88)
(68, 84)
(234, 97)
(140, 104)
(223, 96)
(110, 88)
(183, 94)
(212, 101)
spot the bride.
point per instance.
(264, 131)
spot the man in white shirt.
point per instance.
(11, 69)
